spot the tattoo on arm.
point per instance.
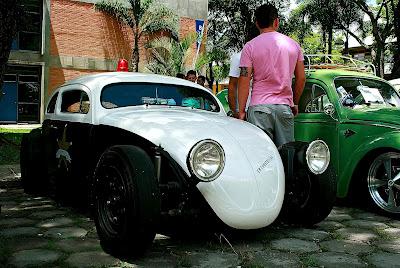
(244, 71)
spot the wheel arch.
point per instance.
(359, 168)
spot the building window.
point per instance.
(29, 36)
(22, 94)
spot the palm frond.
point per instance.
(157, 18)
(120, 11)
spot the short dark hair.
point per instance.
(202, 77)
(265, 15)
(191, 72)
(180, 75)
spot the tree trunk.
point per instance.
(9, 16)
(396, 54)
(323, 42)
(379, 59)
(135, 53)
(346, 45)
(211, 83)
(330, 40)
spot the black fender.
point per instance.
(309, 198)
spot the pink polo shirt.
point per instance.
(273, 57)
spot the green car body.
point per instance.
(357, 132)
(353, 135)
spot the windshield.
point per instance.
(133, 94)
(360, 92)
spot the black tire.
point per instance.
(382, 188)
(32, 163)
(309, 198)
(126, 200)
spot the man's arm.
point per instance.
(232, 89)
(300, 81)
(244, 85)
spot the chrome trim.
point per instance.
(220, 168)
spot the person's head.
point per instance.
(201, 80)
(267, 17)
(191, 76)
(180, 75)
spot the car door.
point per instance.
(312, 123)
(68, 131)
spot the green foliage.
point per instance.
(144, 17)
(231, 22)
(168, 57)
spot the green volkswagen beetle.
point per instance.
(358, 115)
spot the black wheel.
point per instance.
(309, 198)
(383, 183)
(32, 163)
(126, 200)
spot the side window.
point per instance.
(75, 101)
(52, 104)
(313, 99)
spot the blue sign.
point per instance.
(199, 31)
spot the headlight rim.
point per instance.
(328, 156)
(191, 158)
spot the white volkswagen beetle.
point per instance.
(149, 148)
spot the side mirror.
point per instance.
(329, 109)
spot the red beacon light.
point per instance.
(122, 65)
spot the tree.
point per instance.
(168, 57)
(10, 15)
(143, 17)
(396, 51)
(381, 21)
(230, 22)
(216, 63)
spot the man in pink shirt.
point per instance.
(271, 59)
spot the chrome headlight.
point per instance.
(207, 160)
(318, 156)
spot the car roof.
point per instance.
(113, 77)
(330, 74)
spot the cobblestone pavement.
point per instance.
(36, 232)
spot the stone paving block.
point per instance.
(390, 245)
(392, 232)
(308, 234)
(329, 225)
(34, 257)
(337, 260)
(346, 246)
(91, 259)
(356, 234)
(47, 214)
(78, 245)
(370, 216)
(12, 222)
(339, 217)
(66, 232)
(20, 231)
(209, 260)
(56, 222)
(27, 243)
(384, 260)
(394, 223)
(366, 224)
(273, 258)
(295, 245)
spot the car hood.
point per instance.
(251, 185)
(177, 130)
(389, 116)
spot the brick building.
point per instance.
(66, 39)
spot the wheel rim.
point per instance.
(111, 201)
(384, 182)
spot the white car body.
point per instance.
(249, 192)
(395, 83)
